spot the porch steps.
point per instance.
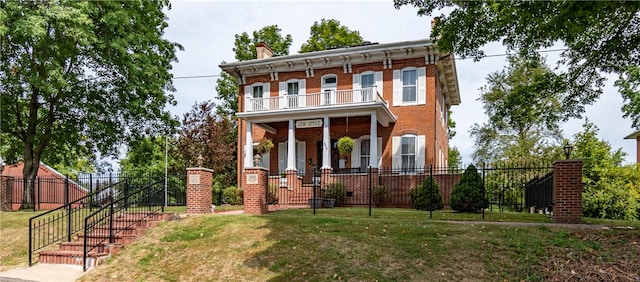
(98, 240)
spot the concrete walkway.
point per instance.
(43, 272)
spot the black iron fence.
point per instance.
(504, 186)
(50, 192)
(539, 193)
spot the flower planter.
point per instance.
(329, 203)
(317, 202)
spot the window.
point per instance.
(409, 85)
(364, 154)
(292, 88)
(367, 80)
(329, 86)
(408, 148)
(258, 91)
(330, 80)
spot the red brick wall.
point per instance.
(567, 191)
(419, 119)
(255, 195)
(199, 194)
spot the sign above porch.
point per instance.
(309, 123)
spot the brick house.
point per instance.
(398, 92)
(49, 187)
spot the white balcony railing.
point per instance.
(322, 99)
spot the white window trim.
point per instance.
(266, 93)
(421, 84)
(282, 92)
(420, 155)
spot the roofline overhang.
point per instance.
(347, 56)
(634, 135)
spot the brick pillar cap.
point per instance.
(255, 168)
(200, 168)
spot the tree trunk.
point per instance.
(29, 173)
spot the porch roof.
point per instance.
(383, 114)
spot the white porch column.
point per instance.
(326, 144)
(291, 147)
(373, 141)
(248, 146)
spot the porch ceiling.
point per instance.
(384, 115)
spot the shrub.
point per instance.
(380, 193)
(232, 195)
(467, 194)
(426, 197)
(616, 195)
(272, 197)
(336, 191)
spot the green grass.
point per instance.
(390, 245)
(14, 242)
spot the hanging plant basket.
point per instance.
(265, 145)
(345, 145)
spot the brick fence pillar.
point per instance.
(256, 181)
(567, 191)
(199, 184)
(6, 193)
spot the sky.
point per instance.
(206, 30)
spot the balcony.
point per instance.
(331, 103)
(313, 100)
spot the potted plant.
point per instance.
(265, 145)
(345, 145)
(334, 194)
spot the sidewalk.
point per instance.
(42, 272)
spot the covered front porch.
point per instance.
(307, 140)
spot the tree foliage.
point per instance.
(330, 34)
(426, 197)
(629, 84)
(610, 190)
(467, 194)
(600, 36)
(245, 49)
(454, 159)
(81, 76)
(146, 155)
(212, 136)
(524, 107)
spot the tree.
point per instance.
(454, 159)
(467, 194)
(212, 136)
(426, 197)
(330, 34)
(81, 75)
(245, 49)
(630, 89)
(610, 190)
(146, 155)
(524, 107)
(593, 44)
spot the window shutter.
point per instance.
(379, 142)
(301, 157)
(281, 92)
(420, 152)
(379, 84)
(355, 155)
(397, 88)
(356, 96)
(302, 99)
(247, 102)
(422, 85)
(282, 156)
(396, 155)
(266, 94)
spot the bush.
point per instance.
(426, 197)
(616, 195)
(467, 194)
(232, 195)
(272, 197)
(380, 193)
(336, 191)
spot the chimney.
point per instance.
(263, 50)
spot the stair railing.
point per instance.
(64, 222)
(103, 226)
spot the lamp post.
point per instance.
(567, 150)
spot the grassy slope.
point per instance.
(393, 244)
(14, 238)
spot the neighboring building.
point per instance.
(398, 92)
(636, 136)
(50, 187)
